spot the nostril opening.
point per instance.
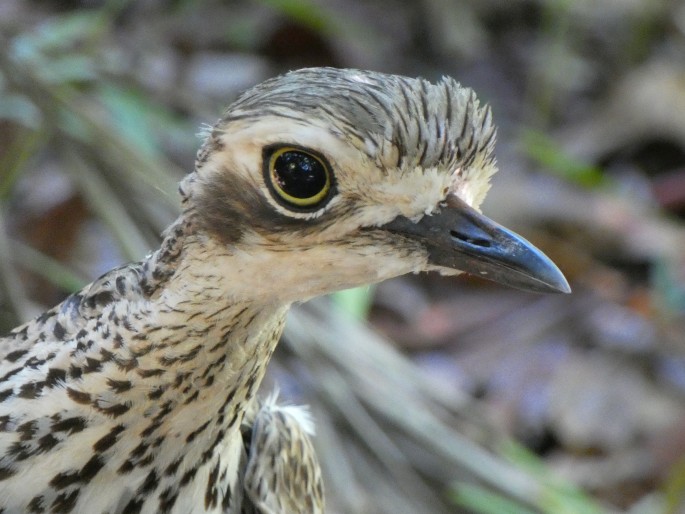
(474, 241)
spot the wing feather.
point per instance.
(282, 474)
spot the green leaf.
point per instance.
(61, 32)
(47, 267)
(550, 156)
(130, 114)
(68, 68)
(19, 151)
(557, 495)
(478, 499)
(18, 108)
(305, 12)
(668, 287)
(674, 487)
(355, 301)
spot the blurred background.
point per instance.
(431, 394)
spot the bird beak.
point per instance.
(461, 238)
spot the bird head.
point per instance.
(323, 178)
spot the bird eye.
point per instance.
(299, 178)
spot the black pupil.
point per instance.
(299, 174)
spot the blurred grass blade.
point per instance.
(13, 159)
(392, 394)
(557, 495)
(47, 267)
(12, 287)
(108, 207)
(480, 500)
(155, 172)
(551, 157)
(66, 109)
(60, 32)
(308, 13)
(674, 488)
(356, 301)
(137, 119)
(668, 285)
(18, 108)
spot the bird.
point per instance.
(139, 392)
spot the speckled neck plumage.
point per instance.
(140, 370)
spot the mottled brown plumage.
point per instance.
(137, 394)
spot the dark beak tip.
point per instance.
(542, 277)
(538, 272)
(565, 288)
(559, 285)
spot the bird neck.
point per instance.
(157, 362)
(210, 344)
(194, 354)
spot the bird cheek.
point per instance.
(401, 258)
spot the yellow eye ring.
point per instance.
(298, 178)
